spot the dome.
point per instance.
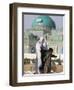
(45, 21)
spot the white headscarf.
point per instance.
(41, 38)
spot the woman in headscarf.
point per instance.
(44, 49)
(38, 53)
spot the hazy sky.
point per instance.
(29, 18)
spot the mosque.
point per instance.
(43, 26)
(46, 27)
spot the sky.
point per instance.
(29, 18)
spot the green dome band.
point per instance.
(45, 21)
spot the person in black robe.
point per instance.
(43, 54)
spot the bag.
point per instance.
(57, 68)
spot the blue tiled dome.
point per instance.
(45, 21)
